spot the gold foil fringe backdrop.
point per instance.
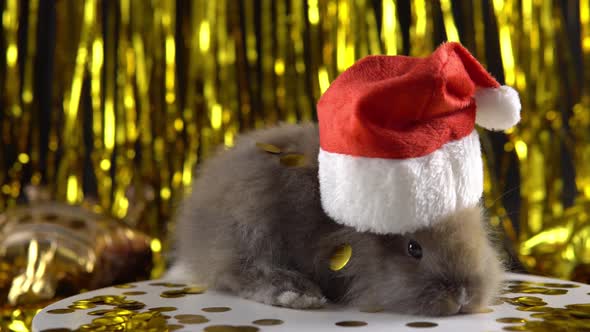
(102, 96)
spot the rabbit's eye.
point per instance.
(414, 249)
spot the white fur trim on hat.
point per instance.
(401, 195)
(497, 108)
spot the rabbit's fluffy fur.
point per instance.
(256, 228)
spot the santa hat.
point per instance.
(398, 145)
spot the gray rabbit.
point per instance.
(255, 227)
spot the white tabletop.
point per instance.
(236, 314)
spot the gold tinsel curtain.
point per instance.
(101, 98)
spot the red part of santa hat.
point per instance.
(398, 142)
(404, 107)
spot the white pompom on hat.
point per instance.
(497, 108)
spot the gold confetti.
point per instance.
(268, 148)
(517, 286)
(530, 301)
(122, 313)
(293, 160)
(534, 309)
(552, 315)
(557, 285)
(265, 322)
(173, 293)
(579, 314)
(421, 324)
(556, 292)
(529, 298)
(216, 309)
(340, 257)
(87, 327)
(510, 301)
(219, 328)
(533, 290)
(167, 284)
(484, 311)
(580, 307)
(99, 312)
(246, 328)
(125, 286)
(191, 319)
(194, 290)
(146, 315)
(351, 323)
(107, 299)
(130, 305)
(134, 293)
(174, 327)
(109, 320)
(173, 285)
(163, 309)
(119, 312)
(510, 320)
(82, 306)
(60, 311)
